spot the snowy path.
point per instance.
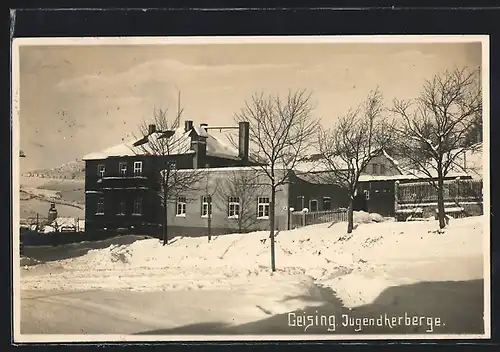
(125, 312)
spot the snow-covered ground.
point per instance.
(357, 267)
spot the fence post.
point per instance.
(289, 212)
(37, 224)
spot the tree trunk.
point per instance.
(440, 200)
(165, 218)
(350, 217)
(272, 213)
(209, 223)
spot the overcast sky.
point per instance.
(79, 99)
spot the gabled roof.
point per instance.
(179, 142)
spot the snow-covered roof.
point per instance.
(433, 173)
(218, 148)
(178, 143)
(466, 163)
(326, 177)
(394, 162)
(316, 164)
(200, 131)
(311, 166)
(64, 221)
(227, 169)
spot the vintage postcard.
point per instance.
(251, 188)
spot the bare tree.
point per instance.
(245, 187)
(166, 142)
(281, 133)
(435, 127)
(351, 143)
(211, 187)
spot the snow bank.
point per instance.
(26, 261)
(362, 217)
(314, 255)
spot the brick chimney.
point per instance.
(188, 125)
(243, 140)
(152, 129)
(199, 145)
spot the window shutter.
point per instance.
(228, 198)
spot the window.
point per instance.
(206, 206)
(122, 207)
(375, 169)
(263, 207)
(327, 203)
(180, 209)
(367, 194)
(137, 168)
(313, 205)
(233, 209)
(122, 168)
(382, 169)
(100, 206)
(137, 206)
(101, 169)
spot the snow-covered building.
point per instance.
(122, 181)
(237, 199)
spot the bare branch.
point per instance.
(281, 131)
(353, 141)
(436, 129)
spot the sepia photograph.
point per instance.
(251, 188)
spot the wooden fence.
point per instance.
(300, 219)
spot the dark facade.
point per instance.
(122, 191)
(379, 196)
(315, 196)
(375, 192)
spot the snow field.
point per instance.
(354, 266)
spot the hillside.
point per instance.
(37, 193)
(74, 170)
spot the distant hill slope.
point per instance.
(74, 170)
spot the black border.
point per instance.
(321, 20)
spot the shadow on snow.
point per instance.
(457, 304)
